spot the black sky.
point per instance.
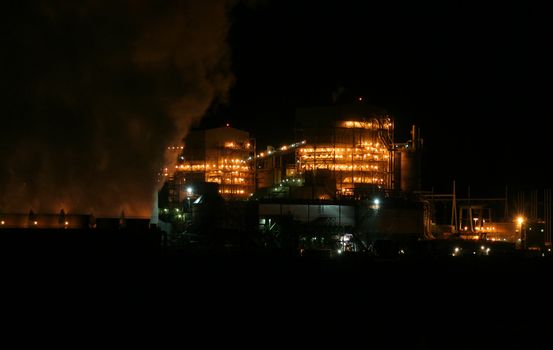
(99, 88)
(475, 77)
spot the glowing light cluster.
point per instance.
(340, 167)
(280, 149)
(485, 228)
(370, 125)
(237, 145)
(234, 175)
(359, 125)
(367, 163)
(224, 164)
(230, 191)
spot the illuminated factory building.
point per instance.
(219, 156)
(349, 148)
(343, 174)
(350, 144)
(356, 146)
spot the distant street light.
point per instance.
(520, 222)
(189, 192)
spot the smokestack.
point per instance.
(410, 164)
(414, 138)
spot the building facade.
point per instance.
(218, 155)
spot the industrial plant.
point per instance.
(346, 184)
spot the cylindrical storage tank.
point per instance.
(397, 171)
(410, 171)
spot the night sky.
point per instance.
(93, 93)
(474, 77)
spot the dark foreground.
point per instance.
(124, 288)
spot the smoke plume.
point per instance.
(94, 92)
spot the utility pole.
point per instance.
(454, 210)
(470, 213)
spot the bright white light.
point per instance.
(482, 247)
(456, 250)
(2, 222)
(339, 251)
(189, 190)
(520, 220)
(66, 223)
(376, 201)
